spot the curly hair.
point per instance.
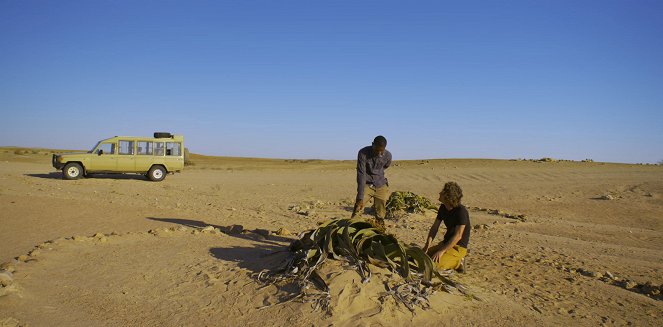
(453, 193)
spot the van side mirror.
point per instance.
(100, 152)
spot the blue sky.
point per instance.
(320, 79)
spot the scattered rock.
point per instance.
(283, 232)
(98, 235)
(609, 275)
(103, 239)
(207, 229)
(630, 284)
(236, 229)
(8, 266)
(607, 197)
(79, 238)
(34, 253)
(6, 278)
(22, 258)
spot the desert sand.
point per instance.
(553, 243)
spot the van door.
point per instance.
(104, 158)
(126, 159)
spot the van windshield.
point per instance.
(94, 147)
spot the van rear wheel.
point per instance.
(156, 173)
(72, 171)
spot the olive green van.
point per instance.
(153, 157)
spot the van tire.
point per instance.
(157, 173)
(72, 170)
(162, 135)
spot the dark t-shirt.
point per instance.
(457, 216)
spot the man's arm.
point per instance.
(361, 183)
(361, 175)
(431, 234)
(388, 163)
(458, 234)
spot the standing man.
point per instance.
(371, 163)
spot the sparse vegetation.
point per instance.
(359, 243)
(407, 202)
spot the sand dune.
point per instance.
(573, 259)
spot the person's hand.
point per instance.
(437, 255)
(359, 206)
(425, 247)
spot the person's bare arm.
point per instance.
(431, 234)
(458, 234)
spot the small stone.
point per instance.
(207, 229)
(34, 253)
(236, 229)
(22, 258)
(6, 278)
(283, 232)
(607, 197)
(103, 239)
(153, 232)
(195, 232)
(630, 284)
(609, 275)
(78, 238)
(8, 266)
(98, 235)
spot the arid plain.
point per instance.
(553, 243)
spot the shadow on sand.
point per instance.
(269, 251)
(53, 175)
(58, 175)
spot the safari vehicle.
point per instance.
(153, 157)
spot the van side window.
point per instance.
(144, 148)
(107, 148)
(173, 149)
(126, 147)
(159, 149)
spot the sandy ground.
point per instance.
(576, 259)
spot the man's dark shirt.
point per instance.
(457, 216)
(370, 169)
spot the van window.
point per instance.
(144, 148)
(107, 148)
(126, 147)
(158, 149)
(173, 149)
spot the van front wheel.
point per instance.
(156, 173)
(72, 171)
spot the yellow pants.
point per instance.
(451, 258)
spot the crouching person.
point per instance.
(449, 253)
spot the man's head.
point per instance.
(379, 145)
(451, 195)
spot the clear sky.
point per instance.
(319, 79)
